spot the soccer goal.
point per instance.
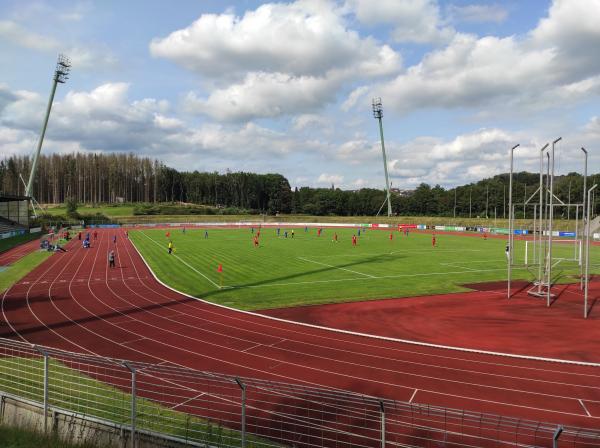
(562, 250)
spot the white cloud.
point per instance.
(478, 13)
(551, 65)
(15, 33)
(330, 179)
(264, 95)
(279, 59)
(303, 38)
(416, 21)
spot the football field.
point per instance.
(312, 269)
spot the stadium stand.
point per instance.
(14, 215)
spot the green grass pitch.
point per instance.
(309, 269)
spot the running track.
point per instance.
(74, 302)
(16, 253)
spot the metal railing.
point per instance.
(214, 409)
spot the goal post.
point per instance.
(563, 250)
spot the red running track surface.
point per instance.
(73, 301)
(482, 320)
(16, 253)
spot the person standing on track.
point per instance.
(95, 235)
(170, 247)
(79, 236)
(115, 239)
(111, 259)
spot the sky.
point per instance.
(287, 87)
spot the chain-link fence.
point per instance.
(221, 410)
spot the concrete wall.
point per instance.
(74, 428)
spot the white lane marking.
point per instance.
(413, 396)
(335, 267)
(188, 400)
(584, 408)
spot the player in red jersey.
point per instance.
(354, 240)
(433, 240)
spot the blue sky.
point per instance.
(286, 87)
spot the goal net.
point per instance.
(562, 250)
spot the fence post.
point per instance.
(243, 387)
(382, 413)
(556, 435)
(133, 402)
(46, 378)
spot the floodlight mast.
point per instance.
(61, 74)
(378, 113)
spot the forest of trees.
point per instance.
(110, 178)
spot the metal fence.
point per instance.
(213, 409)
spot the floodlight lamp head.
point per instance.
(377, 108)
(557, 140)
(544, 147)
(584, 150)
(63, 67)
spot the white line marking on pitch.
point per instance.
(423, 274)
(187, 264)
(335, 267)
(413, 396)
(584, 408)
(455, 265)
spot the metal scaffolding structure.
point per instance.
(544, 202)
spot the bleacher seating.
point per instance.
(8, 226)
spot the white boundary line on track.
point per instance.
(335, 267)
(584, 408)
(366, 335)
(413, 396)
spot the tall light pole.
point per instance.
(61, 74)
(378, 113)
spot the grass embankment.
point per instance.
(19, 269)
(108, 210)
(72, 390)
(123, 213)
(394, 220)
(9, 243)
(11, 437)
(309, 269)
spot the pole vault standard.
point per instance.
(543, 227)
(511, 218)
(587, 253)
